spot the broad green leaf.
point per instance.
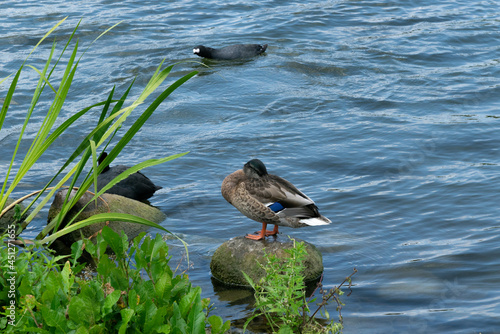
(84, 308)
(110, 301)
(177, 322)
(126, 314)
(66, 280)
(114, 241)
(249, 280)
(158, 243)
(216, 323)
(285, 330)
(155, 318)
(82, 329)
(196, 317)
(91, 248)
(180, 287)
(188, 301)
(161, 285)
(133, 299)
(119, 279)
(76, 251)
(52, 316)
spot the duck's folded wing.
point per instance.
(302, 212)
(250, 206)
(276, 189)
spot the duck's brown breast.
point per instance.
(230, 184)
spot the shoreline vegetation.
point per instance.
(135, 291)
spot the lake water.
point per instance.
(386, 113)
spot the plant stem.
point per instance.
(332, 293)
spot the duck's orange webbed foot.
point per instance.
(273, 232)
(254, 236)
(263, 233)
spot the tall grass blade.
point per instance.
(103, 132)
(94, 164)
(3, 112)
(43, 77)
(21, 172)
(2, 80)
(8, 98)
(22, 169)
(46, 35)
(99, 218)
(57, 220)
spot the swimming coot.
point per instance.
(239, 51)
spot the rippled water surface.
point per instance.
(385, 113)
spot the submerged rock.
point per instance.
(241, 254)
(108, 203)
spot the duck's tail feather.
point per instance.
(316, 221)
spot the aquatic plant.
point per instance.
(112, 119)
(280, 296)
(137, 292)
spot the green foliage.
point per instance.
(281, 298)
(135, 293)
(112, 119)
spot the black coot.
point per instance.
(238, 51)
(136, 186)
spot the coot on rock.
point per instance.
(231, 52)
(136, 186)
(269, 199)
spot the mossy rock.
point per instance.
(241, 254)
(8, 218)
(108, 203)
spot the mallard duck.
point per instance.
(269, 199)
(239, 51)
(136, 186)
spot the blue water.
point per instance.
(385, 113)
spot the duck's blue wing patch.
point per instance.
(276, 207)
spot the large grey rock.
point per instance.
(111, 203)
(241, 254)
(7, 219)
